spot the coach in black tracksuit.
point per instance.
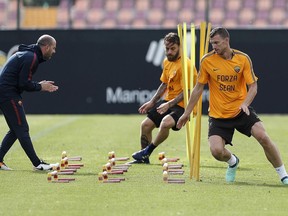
(16, 77)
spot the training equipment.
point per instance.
(166, 179)
(122, 159)
(165, 160)
(118, 166)
(55, 175)
(67, 170)
(124, 169)
(114, 172)
(109, 170)
(49, 177)
(176, 181)
(66, 179)
(58, 168)
(107, 167)
(61, 181)
(112, 181)
(111, 155)
(112, 168)
(193, 151)
(65, 164)
(112, 161)
(74, 158)
(103, 178)
(165, 175)
(62, 172)
(167, 166)
(104, 175)
(175, 172)
(161, 155)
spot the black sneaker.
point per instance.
(141, 156)
(146, 161)
(45, 166)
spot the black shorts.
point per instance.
(226, 127)
(175, 112)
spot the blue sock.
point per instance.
(150, 149)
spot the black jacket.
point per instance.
(16, 74)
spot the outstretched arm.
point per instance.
(194, 97)
(148, 105)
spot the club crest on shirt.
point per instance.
(237, 69)
(20, 103)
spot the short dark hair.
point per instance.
(172, 38)
(220, 31)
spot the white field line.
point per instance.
(49, 130)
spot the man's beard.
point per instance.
(173, 58)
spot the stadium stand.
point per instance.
(105, 14)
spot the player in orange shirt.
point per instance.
(228, 72)
(163, 113)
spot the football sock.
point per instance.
(281, 171)
(150, 148)
(232, 161)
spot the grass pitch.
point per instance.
(257, 190)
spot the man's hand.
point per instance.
(163, 108)
(182, 121)
(245, 109)
(145, 107)
(48, 86)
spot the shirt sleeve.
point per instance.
(249, 72)
(203, 75)
(164, 78)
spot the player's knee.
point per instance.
(166, 124)
(217, 153)
(263, 138)
(145, 125)
(265, 141)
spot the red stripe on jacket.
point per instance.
(30, 71)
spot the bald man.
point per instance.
(15, 78)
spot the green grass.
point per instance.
(257, 190)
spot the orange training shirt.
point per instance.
(172, 76)
(227, 80)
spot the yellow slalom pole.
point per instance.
(192, 120)
(204, 42)
(182, 30)
(196, 143)
(207, 38)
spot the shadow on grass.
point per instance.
(224, 168)
(242, 183)
(279, 185)
(38, 172)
